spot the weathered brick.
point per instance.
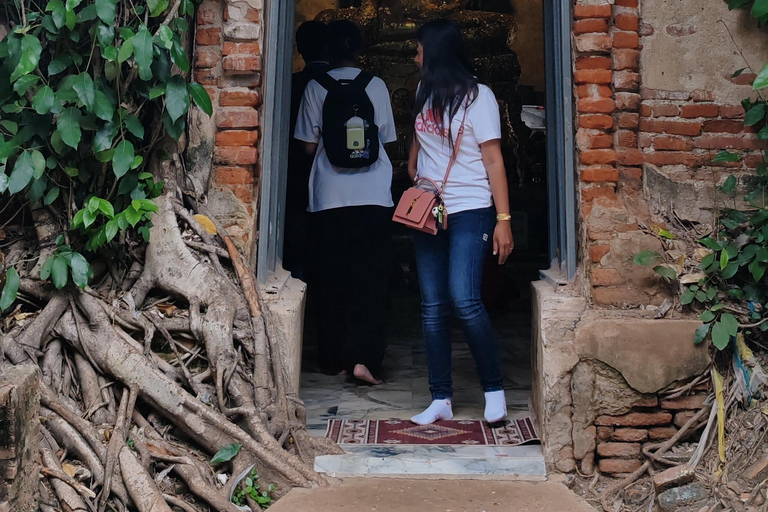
(231, 48)
(629, 156)
(619, 450)
(657, 94)
(652, 401)
(208, 36)
(630, 175)
(626, 40)
(700, 110)
(665, 110)
(206, 76)
(700, 95)
(237, 138)
(684, 402)
(598, 121)
(626, 80)
(604, 433)
(614, 295)
(594, 62)
(661, 433)
(600, 141)
(674, 127)
(594, 91)
(236, 155)
(237, 117)
(628, 120)
(243, 192)
(237, 80)
(591, 11)
(590, 25)
(630, 435)
(626, 21)
(606, 277)
(233, 175)
(724, 126)
(241, 63)
(646, 29)
(732, 112)
(645, 140)
(591, 193)
(595, 173)
(597, 156)
(593, 42)
(596, 105)
(596, 253)
(206, 16)
(681, 29)
(626, 59)
(207, 57)
(253, 15)
(627, 3)
(646, 110)
(635, 419)
(239, 97)
(627, 101)
(681, 418)
(744, 79)
(600, 236)
(663, 158)
(619, 465)
(673, 477)
(672, 143)
(716, 141)
(627, 139)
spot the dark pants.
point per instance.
(348, 265)
(450, 266)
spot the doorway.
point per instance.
(513, 63)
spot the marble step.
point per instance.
(519, 462)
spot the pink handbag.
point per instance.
(422, 209)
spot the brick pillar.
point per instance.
(228, 64)
(19, 430)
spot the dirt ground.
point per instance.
(409, 495)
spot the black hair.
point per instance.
(447, 75)
(344, 42)
(312, 41)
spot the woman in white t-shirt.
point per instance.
(350, 213)
(450, 264)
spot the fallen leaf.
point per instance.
(701, 252)
(158, 450)
(166, 309)
(107, 433)
(206, 223)
(69, 469)
(692, 278)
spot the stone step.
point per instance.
(515, 462)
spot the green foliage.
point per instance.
(10, 289)
(79, 82)
(250, 487)
(227, 453)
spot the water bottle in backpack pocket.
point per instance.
(350, 135)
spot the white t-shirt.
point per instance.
(334, 187)
(468, 186)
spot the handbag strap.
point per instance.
(454, 152)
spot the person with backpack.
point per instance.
(344, 120)
(457, 145)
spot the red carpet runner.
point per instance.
(454, 432)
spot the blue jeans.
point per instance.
(450, 268)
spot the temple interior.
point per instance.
(505, 39)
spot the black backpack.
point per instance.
(347, 99)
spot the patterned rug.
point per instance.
(454, 432)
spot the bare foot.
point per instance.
(363, 373)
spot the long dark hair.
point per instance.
(447, 76)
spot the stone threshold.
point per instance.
(509, 462)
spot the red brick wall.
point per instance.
(228, 63)
(623, 127)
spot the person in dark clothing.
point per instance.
(311, 42)
(350, 214)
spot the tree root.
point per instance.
(210, 375)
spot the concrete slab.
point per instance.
(410, 495)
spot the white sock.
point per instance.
(437, 410)
(495, 406)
